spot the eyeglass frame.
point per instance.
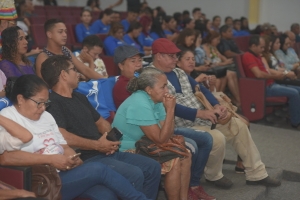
(46, 103)
(72, 68)
(175, 57)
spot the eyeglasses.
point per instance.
(73, 68)
(172, 56)
(41, 104)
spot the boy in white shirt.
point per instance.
(89, 55)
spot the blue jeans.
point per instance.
(96, 181)
(293, 94)
(142, 172)
(201, 142)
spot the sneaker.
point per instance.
(223, 182)
(192, 195)
(268, 181)
(201, 194)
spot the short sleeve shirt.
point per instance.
(249, 61)
(77, 116)
(46, 135)
(137, 110)
(228, 45)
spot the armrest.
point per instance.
(252, 94)
(19, 177)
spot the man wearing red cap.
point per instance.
(189, 112)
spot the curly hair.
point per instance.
(10, 45)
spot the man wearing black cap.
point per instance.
(190, 113)
(128, 59)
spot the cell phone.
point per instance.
(76, 155)
(213, 126)
(114, 134)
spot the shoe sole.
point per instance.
(255, 183)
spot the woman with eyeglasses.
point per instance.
(30, 99)
(14, 48)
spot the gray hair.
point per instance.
(145, 77)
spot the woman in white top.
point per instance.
(30, 97)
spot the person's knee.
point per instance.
(137, 177)
(219, 140)
(231, 74)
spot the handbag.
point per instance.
(46, 182)
(225, 101)
(174, 148)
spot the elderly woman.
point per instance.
(156, 107)
(14, 48)
(114, 39)
(30, 98)
(218, 60)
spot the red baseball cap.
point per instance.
(163, 45)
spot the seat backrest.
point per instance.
(71, 39)
(111, 68)
(102, 36)
(242, 42)
(37, 20)
(38, 34)
(239, 64)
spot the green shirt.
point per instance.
(137, 110)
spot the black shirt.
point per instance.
(226, 45)
(77, 116)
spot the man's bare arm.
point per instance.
(103, 125)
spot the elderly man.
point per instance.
(189, 112)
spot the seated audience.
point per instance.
(170, 28)
(102, 25)
(92, 6)
(227, 46)
(244, 24)
(229, 21)
(56, 46)
(207, 28)
(218, 60)
(14, 48)
(83, 29)
(131, 17)
(186, 62)
(190, 112)
(144, 38)
(188, 23)
(130, 63)
(83, 127)
(237, 29)
(266, 29)
(137, 127)
(272, 44)
(157, 29)
(185, 14)
(255, 68)
(295, 28)
(92, 47)
(216, 22)
(30, 98)
(287, 55)
(131, 38)
(114, 39)
(274, 30)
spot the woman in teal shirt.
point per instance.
(150, 111)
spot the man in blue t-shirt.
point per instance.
(131, 17)
(102, 26)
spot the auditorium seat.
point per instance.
(37, 20)
(242, 42)
(111, 68)
(252, 94)
(38, 35)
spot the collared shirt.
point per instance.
(110, 44)
(251, 60)
(137, 110)
(228, 45)
(81, 32)
(133, 43)
(145, 40)
(288, 59)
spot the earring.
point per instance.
(19, 106)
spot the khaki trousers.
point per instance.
(238, 135)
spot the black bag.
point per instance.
(287, 81)
(10, 82)
(46, 182)
(174, 148)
